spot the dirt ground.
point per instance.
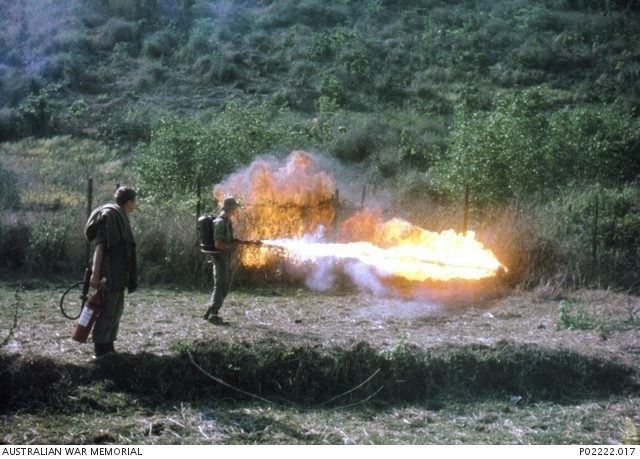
(156, 319)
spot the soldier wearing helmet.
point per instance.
(224, 245)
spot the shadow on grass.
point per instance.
(313, 376)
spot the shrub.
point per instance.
(37, 109)
(607, 254)
(595, 144)
(200, 41)
(167, 247)
(358, 136)
(9, 124)
(573, 317)
(551, 243)
(46, 250)
(75, 69)
(168, 166)
(9, 188)
(524, 146)
(117, 30)
(158, 71)
(136, 125)
(159, 44)
(134, 9)
(313, 13)
(183, 152)
(14, 239)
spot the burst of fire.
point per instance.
(399, 249)
(280, 201)
(285, 204)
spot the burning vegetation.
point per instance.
(294, 207)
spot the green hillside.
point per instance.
(110, 60)
(534, 105)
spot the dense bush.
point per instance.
(13, 245)
(527, 146)
(160, 44)
(182, 153)
(358, 136)
(167, 244)
(602, 228)
(117, 30)
(134, 9)
(37, 109)
(200, 41)
(9, 188)
(46, 252)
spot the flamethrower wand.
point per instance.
(261, 244)
(254, 242)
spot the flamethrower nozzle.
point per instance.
(251, 242)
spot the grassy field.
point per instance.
(290, 366)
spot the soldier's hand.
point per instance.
(94, 282)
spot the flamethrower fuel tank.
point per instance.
(205, 232)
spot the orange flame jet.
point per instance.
(284, 204)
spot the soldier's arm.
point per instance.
(98, 256)
(220, 245)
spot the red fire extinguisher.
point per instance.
(89, 315)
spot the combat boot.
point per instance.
(101, 350)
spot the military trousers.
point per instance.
(106, 327)
(221, 281)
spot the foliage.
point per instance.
(160, 44)
(607, 253)
(573, 317)
(200, 41)
(169, 165)
(183, 153)
(117, 32)
(526, 146)
(429, 95)
(46, 252)
(37, 109)
(9, 188)
(167, 247)
(13, 243)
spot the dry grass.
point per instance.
(282, 343)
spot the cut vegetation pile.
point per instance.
(309, 376)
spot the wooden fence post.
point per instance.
(594, 241)
(466, 210)
(336, 214)
(87, 247)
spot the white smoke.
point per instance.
(365, 277)
(323, 277)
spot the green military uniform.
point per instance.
(112, 228)
(222, 231)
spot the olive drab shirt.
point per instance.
(119, 263)
(223, 231)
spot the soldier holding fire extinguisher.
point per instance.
(114, 259)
